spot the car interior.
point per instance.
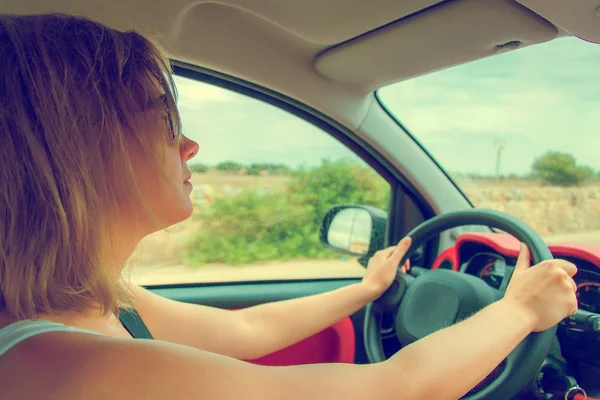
(323, 61)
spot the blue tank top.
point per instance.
(13, 334)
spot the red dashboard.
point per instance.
(508, 245)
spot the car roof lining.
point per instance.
(330, 54)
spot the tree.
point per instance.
(561, 169)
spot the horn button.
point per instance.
(438, 299)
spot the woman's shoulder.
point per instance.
(77, 365)
(58, 363)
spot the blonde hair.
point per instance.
(69, 88)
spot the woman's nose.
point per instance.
(189, 148)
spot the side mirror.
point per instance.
(355, 230)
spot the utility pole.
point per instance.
(499, 145)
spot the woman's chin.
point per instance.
(188, 208)
(183, 214)
(173, 217)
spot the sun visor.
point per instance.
(446, 35)
(580, 18)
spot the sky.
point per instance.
(230, 126)
(537, 99)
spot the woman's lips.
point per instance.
(186, 181)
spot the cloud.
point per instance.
(537, 99)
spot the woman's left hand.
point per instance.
(383, 267)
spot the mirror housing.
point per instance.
(355, 230)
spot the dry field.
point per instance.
(559, 214)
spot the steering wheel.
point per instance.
(440, 298)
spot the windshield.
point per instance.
(517, 132)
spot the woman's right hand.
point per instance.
(545, 292)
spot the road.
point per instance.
(291, 270)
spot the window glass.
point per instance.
(263, 181)
(517, 132)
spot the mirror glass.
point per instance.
(350, 230)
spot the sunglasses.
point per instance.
(165, 103)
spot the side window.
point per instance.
(263, 181)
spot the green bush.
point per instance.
(561, 169)
(229, 166)
(273, 169)
(282, 224)
(199, 168)
(336, 182)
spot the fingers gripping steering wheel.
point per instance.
(440, 298)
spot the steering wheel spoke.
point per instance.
(388, 327)
(506, 279)
(390, 301)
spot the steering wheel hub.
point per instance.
(439, 299)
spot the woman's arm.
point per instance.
(260, 330)
(248, 333)
(277, 325)
(443, 365)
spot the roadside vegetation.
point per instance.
(550, 169)
(282, 222)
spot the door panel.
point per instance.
(341, 342)
(335, 344)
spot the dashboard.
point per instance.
(588, 289)
(493, 269)
(492, 256)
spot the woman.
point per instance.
(92, 159)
